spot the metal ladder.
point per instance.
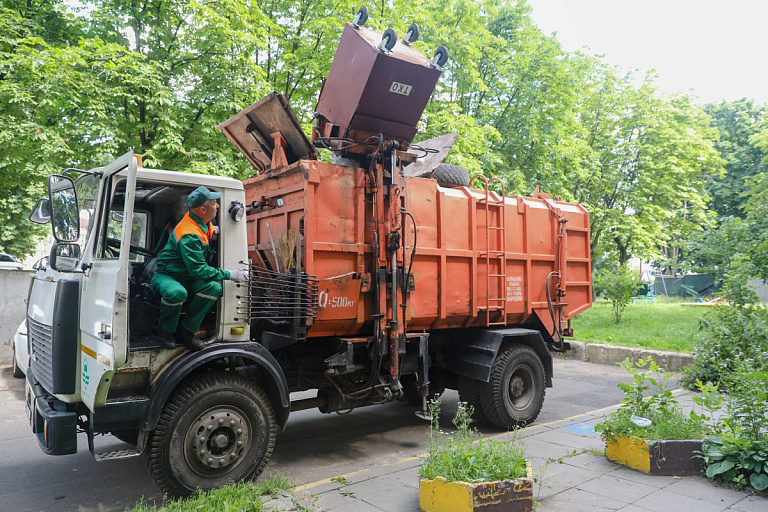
(497, 303)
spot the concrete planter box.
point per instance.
(439, 495)
(674, 457)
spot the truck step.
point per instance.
(117, 454)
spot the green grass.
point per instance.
(243, 497)
(657, 326)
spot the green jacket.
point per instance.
(184, 254)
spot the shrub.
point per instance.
(737, 454)
(732, 335)
(464, 457)
(647, 397)
(618, 283)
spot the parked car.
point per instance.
(9, 262)
(20, 351)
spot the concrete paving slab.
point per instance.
(697, 487)
(563, 438)
(616, 488)
(334, 500)
(591, 462)
(407, 477)
(635, 476)
(542, 450)
(574, 500)
(667, 500)
(751, 504)
(356, 506)
(387, 494)
(561, 477)
(632, 508)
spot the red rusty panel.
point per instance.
(450, 268)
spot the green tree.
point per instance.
(738, 124)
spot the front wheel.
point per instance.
(217, 428)
(515, 393)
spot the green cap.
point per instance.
(200, 195)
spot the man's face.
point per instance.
(207, 212)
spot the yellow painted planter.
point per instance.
(672, 457)
(439, 495)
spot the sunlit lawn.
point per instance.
(658, 326)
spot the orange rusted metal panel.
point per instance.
(328, 204)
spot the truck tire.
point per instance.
(17, 373)
(469, 392)
(450, 176)
(216, 428)
(515, 393)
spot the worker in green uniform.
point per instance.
(182, 272)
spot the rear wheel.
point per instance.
(217, 428)
(16, 370)
(515, 393)
(469, 392)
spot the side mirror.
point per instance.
(64, 256)
(41, 213)
(65, 214)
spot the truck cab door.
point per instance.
(105, 292)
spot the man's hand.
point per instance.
(238, 276)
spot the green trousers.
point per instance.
(175, 291)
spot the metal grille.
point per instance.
(40, 336)
(277, 296)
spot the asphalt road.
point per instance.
(313, 446)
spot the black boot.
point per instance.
(192, 342)
(167, 339)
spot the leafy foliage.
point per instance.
(617, 283)
(647, 397)
(78, 89)
(732, 336)
(737, 454)
(464, 457)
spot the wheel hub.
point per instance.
(217, 441)
(516, 387)
(520, 390)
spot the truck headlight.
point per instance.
(236, 211)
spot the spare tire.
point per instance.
(449, 175)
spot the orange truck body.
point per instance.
(458, 272)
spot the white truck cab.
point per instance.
(97, 365)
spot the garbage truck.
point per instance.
(379, 275)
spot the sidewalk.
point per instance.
(576, 477)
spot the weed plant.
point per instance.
(243, 497)
(462, 456)
(647, 397)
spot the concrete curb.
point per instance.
(614, 354)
